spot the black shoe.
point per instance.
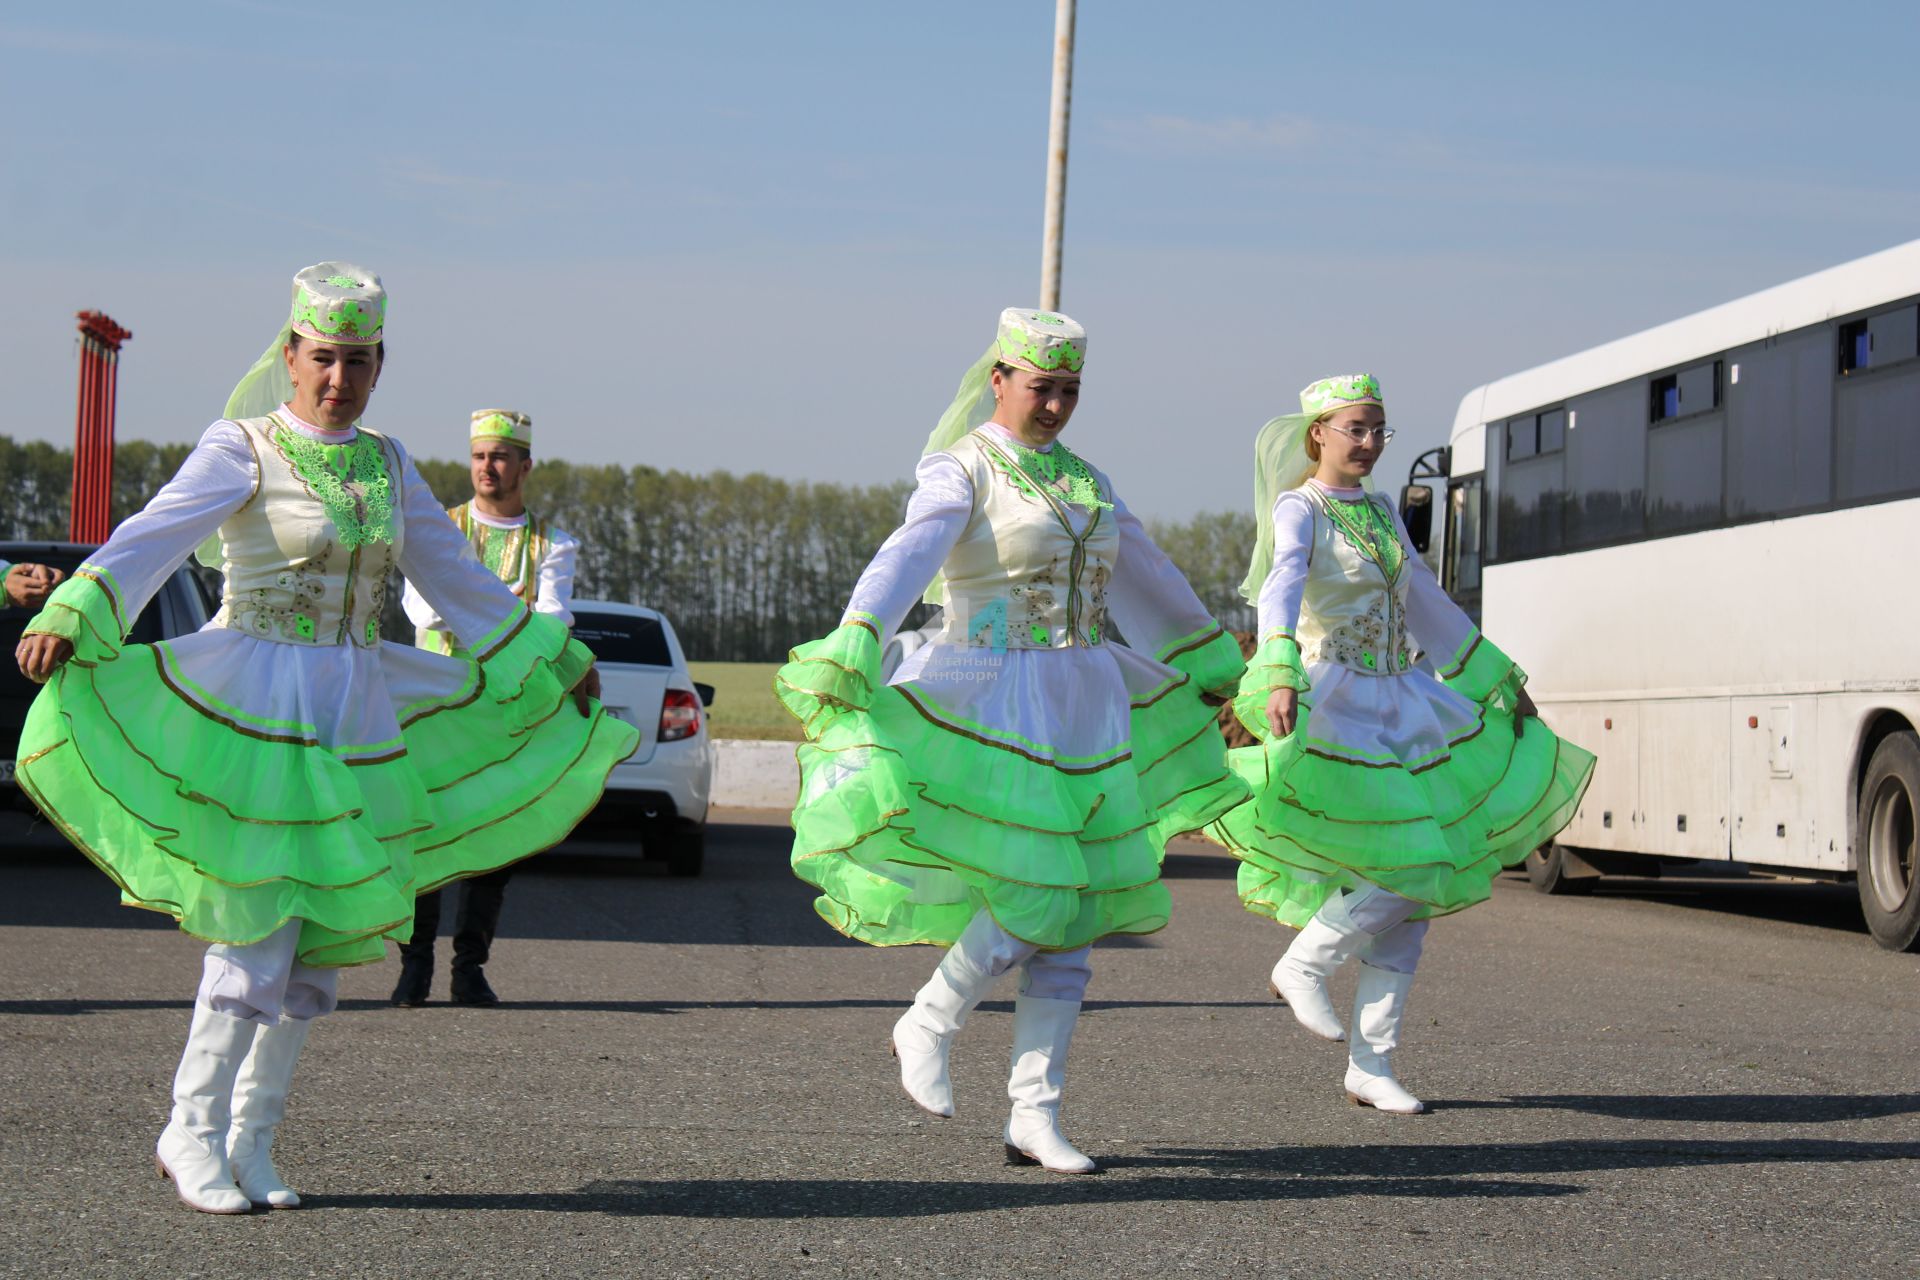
(470, 987)
(416, 979)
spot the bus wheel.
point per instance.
(1547, 873)
(1884, 858)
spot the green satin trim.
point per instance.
(232, 832)
(1210, 657)
(1485, 674)
(85, 611)
(1275, 665)
(1435, 830)
(909, 825)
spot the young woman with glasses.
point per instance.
(1382, 796)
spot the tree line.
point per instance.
(746, 565)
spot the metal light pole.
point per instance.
(1057, 155)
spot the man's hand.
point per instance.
(587, 688)
(29, 585)
(40, 656)
(1521, 710)
(1283, 708)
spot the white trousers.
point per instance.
(262, 982)
(1045, 975)
(1395, 941)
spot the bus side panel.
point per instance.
(1809, 600)
(1777, 779)
(1611, 730)
(1683, 778)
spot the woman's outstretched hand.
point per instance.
(40, 656)
(586, 689)
(1521, 710)
(1283, 708)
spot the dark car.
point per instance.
(182, 605)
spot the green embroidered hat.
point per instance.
(1041, 341)
(339, 302)
(1343, 392)
(502, 424)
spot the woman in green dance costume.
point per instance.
(281, 782)
(1382, 796)
(1009, 793)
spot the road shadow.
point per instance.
(1731, 892)
(1712, 1108)
(1510, 1159)
(69, 1006)
(1197, 860)
(1477, 1171)
(758, 1198)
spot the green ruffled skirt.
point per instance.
(1038, 785)
(1403, 781)
(236, 783)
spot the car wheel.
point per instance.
(686, 852)
(1885, 843)
(1547, 873)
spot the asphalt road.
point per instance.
(1668, 1079)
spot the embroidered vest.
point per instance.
(1355, 609)
(1021, 577)
(294, 573)
(513, 555)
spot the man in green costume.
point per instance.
(536, 560)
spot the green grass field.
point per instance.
(743, 701)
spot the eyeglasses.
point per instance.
(1364, 434)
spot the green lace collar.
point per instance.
(327, 468)
(1367, 527)
(1058, 469)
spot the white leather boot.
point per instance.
(1042, 1030)
(1300, 979)
(259, 1104)
(193, 1147)
(1378, 1006)
(924, 1033)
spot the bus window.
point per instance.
(1461, 565)
(1523, 438)
(1780, 426)
(1880, 340)
(1553, 431)
(1689, 391)
(1606, 467)
(1700, 388)
(1877, 434)
(1531, 497)
(1683, 475)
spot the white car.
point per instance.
(904, 644)
(644, 681)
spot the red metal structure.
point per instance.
(100, 339)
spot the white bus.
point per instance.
(1698, 540)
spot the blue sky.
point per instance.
(772, 236)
